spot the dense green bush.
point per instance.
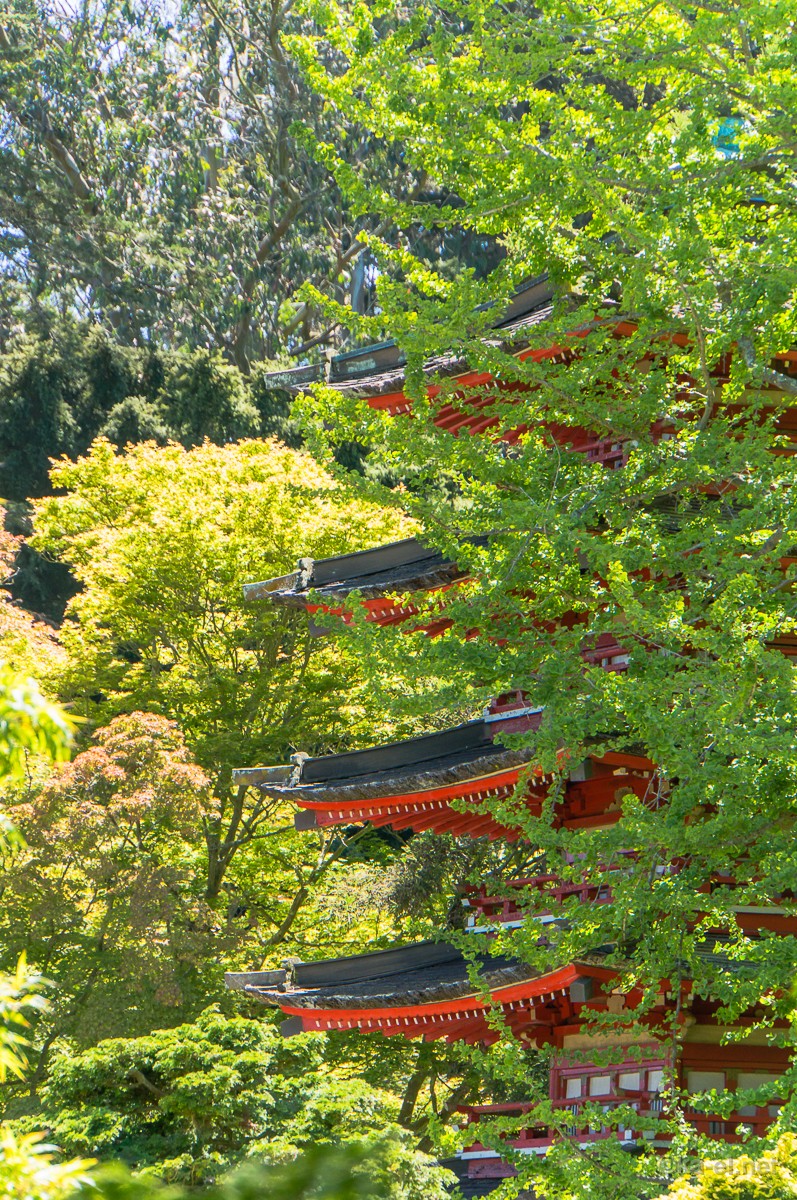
(62, 388)
(187, 1104)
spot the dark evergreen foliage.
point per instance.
(62, 387)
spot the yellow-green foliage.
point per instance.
(773, 1176)
(163, 540)
(29, 1172)
(29, 724)
(171, 667)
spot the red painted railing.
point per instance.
(753, 1121)
(510, 908)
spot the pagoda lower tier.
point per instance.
(453, 782)
(488, 912)
(428, 990)
(431, 991)
(585, 1099)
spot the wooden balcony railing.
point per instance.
(752, 1121)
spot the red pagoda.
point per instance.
(434, 990)
(466, 782)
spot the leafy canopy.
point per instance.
(153, 182)
(162, 540)
(186, 1104)
(643, 156)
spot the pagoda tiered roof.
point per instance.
(376, 375)
(441, 781)
(377, 575)
(386, 580)
(466, 780)
(434, 991)
(429, 990)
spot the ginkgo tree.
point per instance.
(641, 155)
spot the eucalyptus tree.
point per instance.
(152, 177)
(151, 180)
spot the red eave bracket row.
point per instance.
(585, 803)
(463, 1019)
(455, 416)
(539, 1011)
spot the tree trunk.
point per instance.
(414, 1084)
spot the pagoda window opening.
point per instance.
(655, 1085)
(624, 1084)
(630, 1081)
(751, 1080)
(705, 1081)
